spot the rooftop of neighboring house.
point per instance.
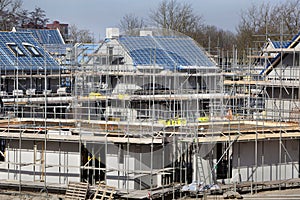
(280, 44)
(46, 36)
(20, 50)
(293, 43)
(51, 40)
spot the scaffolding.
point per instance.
(149, 131)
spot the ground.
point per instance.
(16, 195)
(290, 194)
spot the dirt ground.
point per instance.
(291, 194)
(16, 195)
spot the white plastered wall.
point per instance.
(62, 162)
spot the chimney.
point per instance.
(112, 33)
(145, 33)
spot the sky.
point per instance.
(97, 15)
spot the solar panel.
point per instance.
(9, 60)
(50, 36)
(167, 51)
(46, 36)
(57, 49)
(5, 60)
(279, 44)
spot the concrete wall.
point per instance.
(285, 110)
(62, 161)
(268, 164)
(132, 169)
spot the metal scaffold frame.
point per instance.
(150, 129)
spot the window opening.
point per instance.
(15, 49)
(32, 49)
(2, 150)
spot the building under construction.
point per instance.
(146, 113)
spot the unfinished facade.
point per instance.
(272, 85)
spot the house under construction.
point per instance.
(146, 111)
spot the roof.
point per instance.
(51, 40)
(169, 52)
(280, 44)
(46, 36)
(275, 61)
(57, 49)
(20, 50)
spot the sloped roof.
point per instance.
(275, 61)
(51, 39)
(16, 53)
(169, 52)
(46, 36)
(279, 44)
(57, 49)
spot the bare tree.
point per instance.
(9, 10)
(12, 15)
(254, 21)
(215, 39)
(176, 16)
(24, 18)
(38, 18)
(77, 35)
(259, 22)
(130, 22)
(290, 16)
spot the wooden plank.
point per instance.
(249, 137)
(76, 190)
(104, 192)
(76, 187)
(77, 193)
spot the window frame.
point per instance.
(34, 52)
(15, 49)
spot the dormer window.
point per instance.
(15, 49)
(32, 49)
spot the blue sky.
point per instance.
(96, 15)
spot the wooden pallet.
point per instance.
(104, 192)
(77, 190)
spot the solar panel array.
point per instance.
(46, 36)
(57, 49)
(10, 61)
(279, 44)
(169, 52)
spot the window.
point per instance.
(31, 48)
(15, 49)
